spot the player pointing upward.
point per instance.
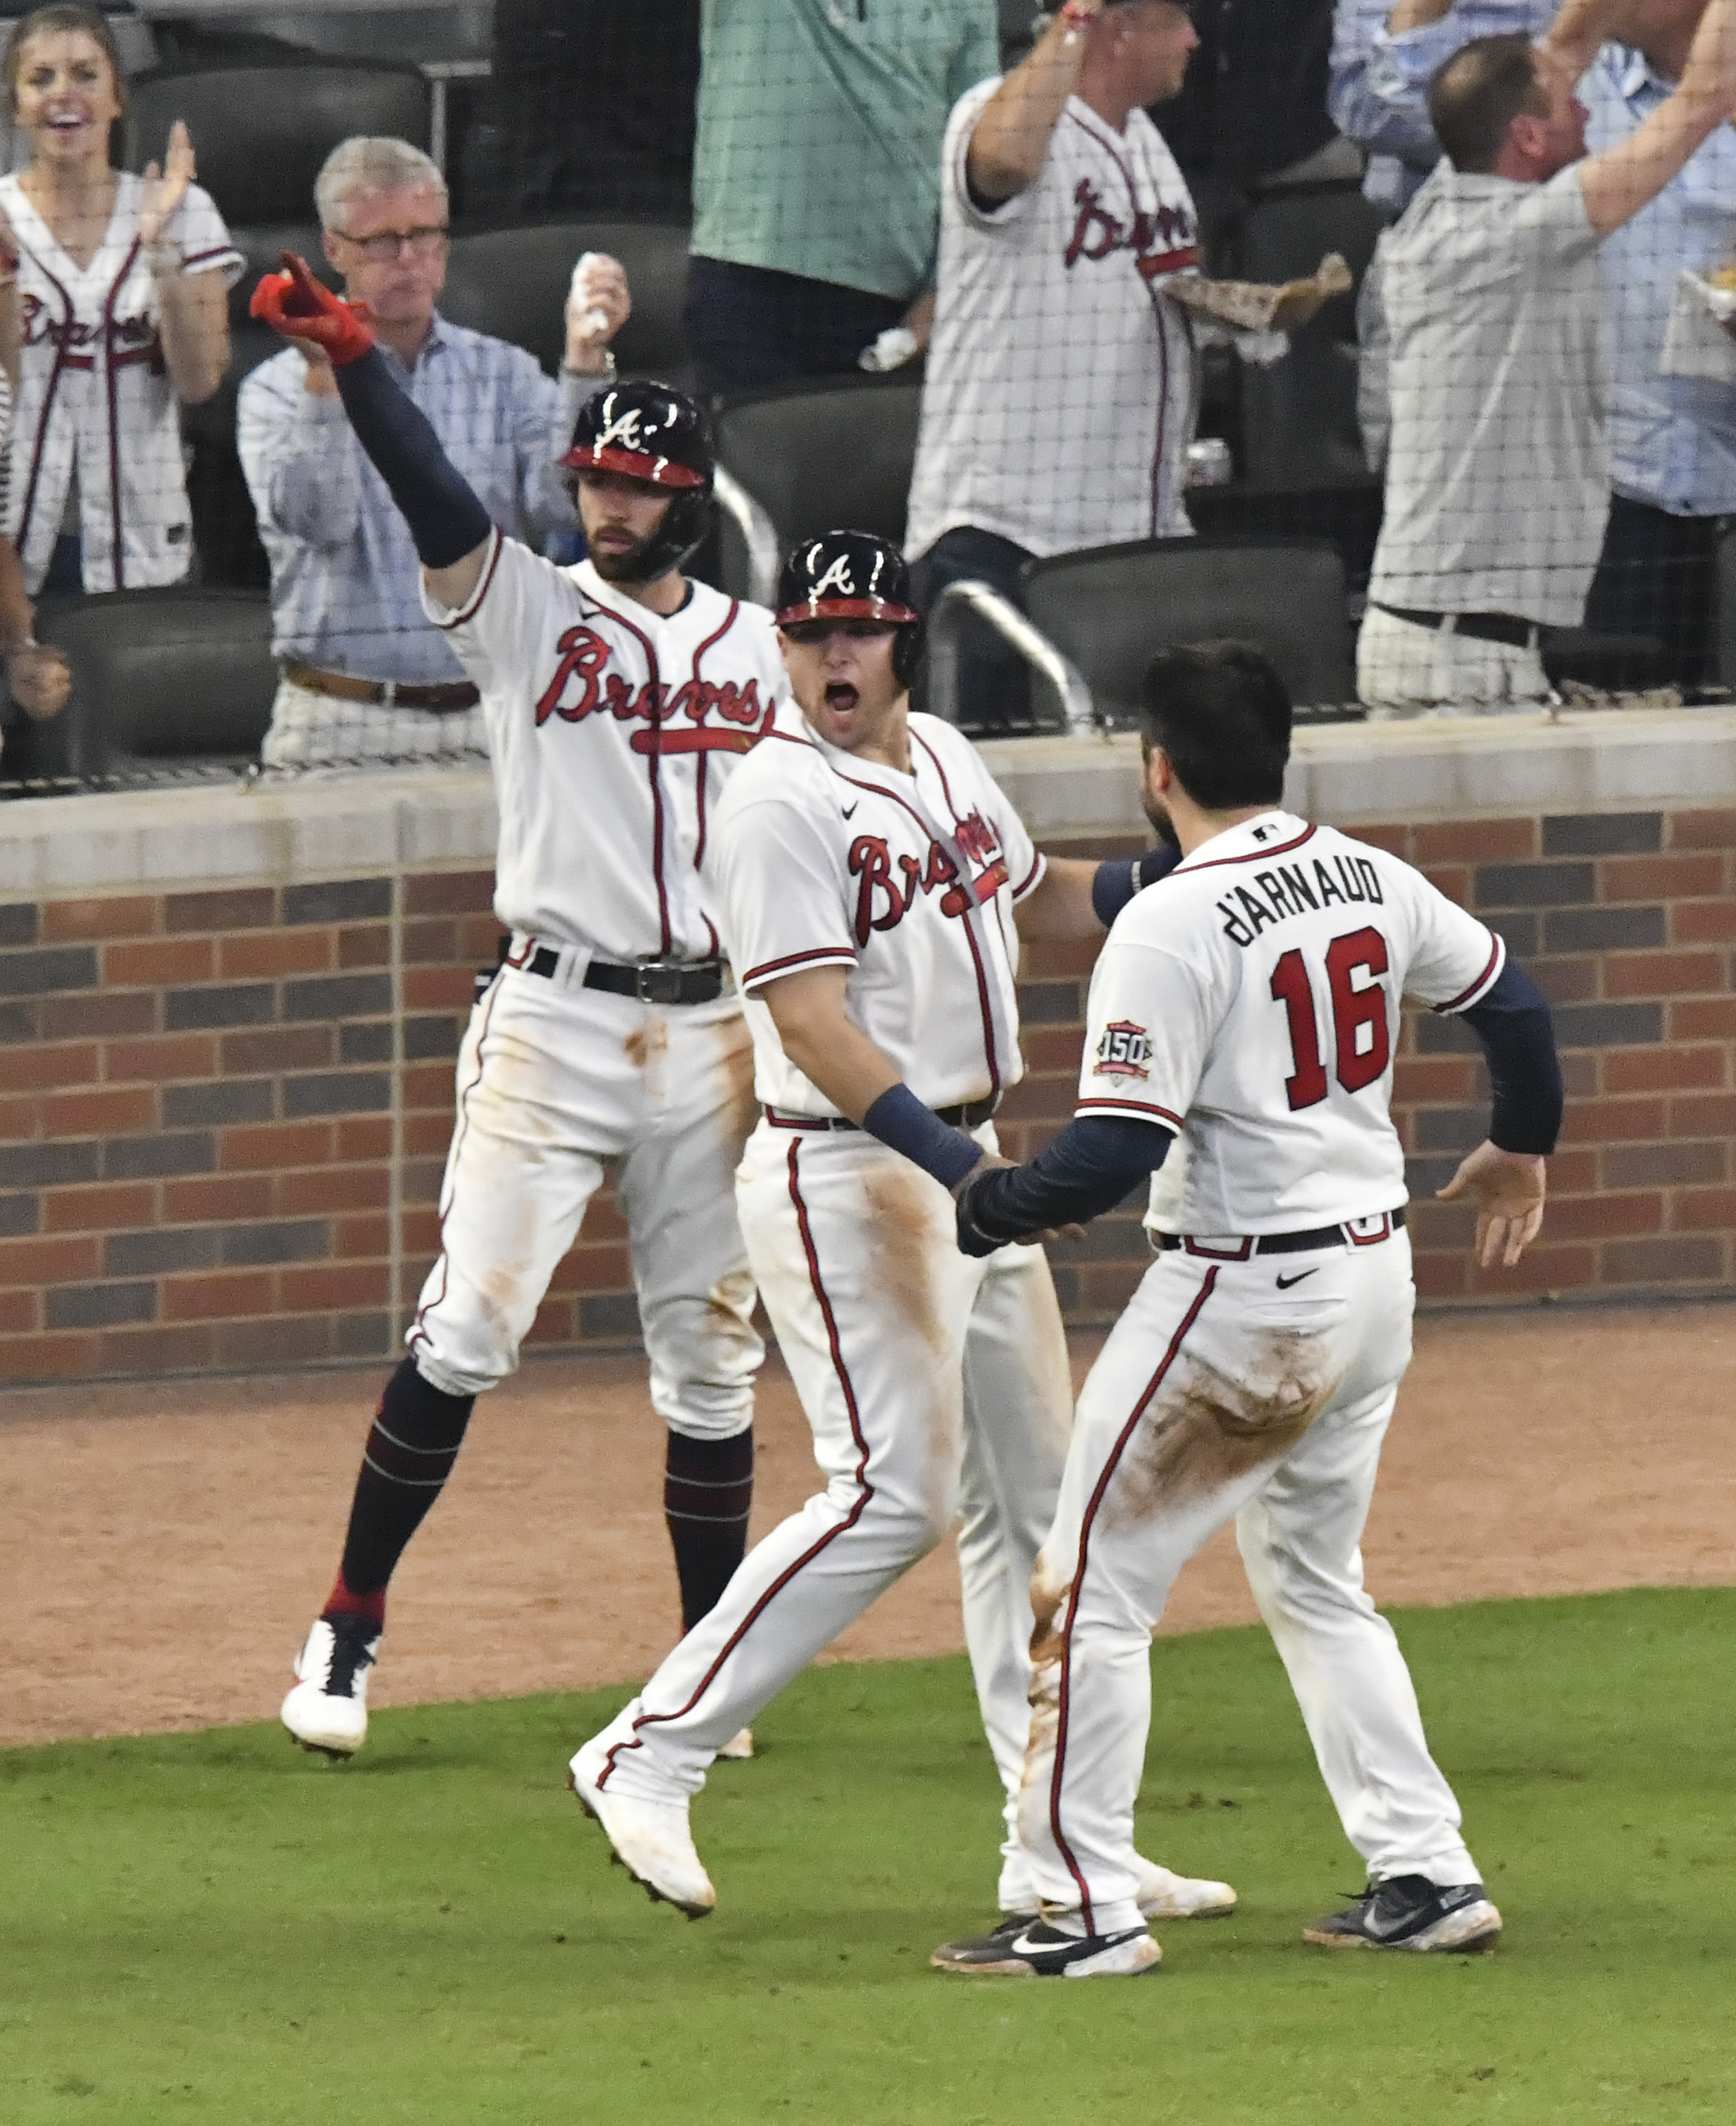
(1238, 1049)
(617, 696)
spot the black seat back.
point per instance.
(1110, 609)
(816, 459)
(513, 283)
(164, 674)
(261, 132)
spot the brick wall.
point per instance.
(223, 1115)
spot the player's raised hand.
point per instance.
(165, 187)
(323, 325)
(1508, 1188)
(598, 304)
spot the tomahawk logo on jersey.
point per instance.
(1249, 1001)
(909, 881)
(602, 712)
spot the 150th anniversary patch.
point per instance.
(1125, 1051)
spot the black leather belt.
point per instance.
(1480, 626)
(972, 1115)
(1382, 1227)
(651, 981)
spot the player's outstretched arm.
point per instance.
(1095, 1163)
(1076, 898)
(1504, 1176)
(450, 525)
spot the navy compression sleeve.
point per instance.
(900, 1121)
(1116, 882)
(1513, 1024)
(1094, 1162)
(446, 520)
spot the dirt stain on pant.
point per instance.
(739, 1108)
(1205, 1429)
(729, 1303)
(648, 1045)
(1047, 1643)
(904, 1235)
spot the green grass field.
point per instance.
(214, 1927)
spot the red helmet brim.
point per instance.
(836, 608)
(636, 464)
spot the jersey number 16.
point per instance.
(1359, 1016)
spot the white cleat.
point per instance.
(740, 1747)
(327, 1710)
(1164, 1896)
(651, 1838)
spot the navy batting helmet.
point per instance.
(653, 432)
(852, 575)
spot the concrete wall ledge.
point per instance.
(1441, 768)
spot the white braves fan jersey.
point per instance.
(1059, 399)
(1249, 1001)
(94, 391)
(610, 732)
(909, 881)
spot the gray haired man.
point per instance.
(366, 677)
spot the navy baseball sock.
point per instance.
(708, 1489)
(417, 1433)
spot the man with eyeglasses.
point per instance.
(367, 678)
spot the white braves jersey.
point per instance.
(94, 391)
(610, 732)
(1249, 1001)
(1060, 398)
(907, 881)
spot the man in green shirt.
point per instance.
(816, 178)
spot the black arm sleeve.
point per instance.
(1513, 1024)
(1088, 1168)
(438, 503)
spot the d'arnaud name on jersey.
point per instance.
(1296, 889)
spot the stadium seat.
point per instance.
(1109, 609)
(261, 132)
(811, 459)
(162, 675)
(513, 283)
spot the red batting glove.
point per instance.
(293, 302)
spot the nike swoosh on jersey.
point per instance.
(850, 810)
(1285, 1283)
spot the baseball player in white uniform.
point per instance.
(1238, 1049)
(866, 869)
(618, 696)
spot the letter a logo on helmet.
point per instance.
(851, 575)
(653, 432)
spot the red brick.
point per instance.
(427, 1135)
(594, 1269)
(292, 1340)
(1602, 1217)
(438, 989)
(1567, 981)
(432, 944)
(157, 961)
(1472, 841)
(1051, 962)
(1703, 1114)
(1613, 1122)
(421, 1232)
(1665, 1069)
(20, 1313)
(106, 1208)
(21, 1119)
(216, 1294)
(49, 1064)
(1442, 1080)
(322, 1287)
(1689, 1260)
(448, 892)
(114, 1111)
(157, 1349)
(1053, 1048)
(557, 1322)
(1703, 922)
(365, 945)
(162, 1057)
(252, 1147)
(603, 1218)
(1441, 1276)
(1703, 1209)
(427, 1085)
(73, 1258)
(1707, 1018)
(1662, 974)
(1702, 830)
(362, 1238)
(277, 1048)
(478, 939)
(333, 1188)
(1395, 840)
(1579, 1073)
(364, 1137)
(274, 952)
(59, 1358)
(1658, 878)
(1572, 1174)
(1452, 879)
(100, 1012)
(124, 916)
(234, 908)
(1543, 1268)
(205, 1198)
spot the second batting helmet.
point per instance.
(653, 432)
(852, 575)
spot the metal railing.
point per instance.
(1075, 712)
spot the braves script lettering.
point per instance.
(1163, 243)
(890, 887)
(584, 684)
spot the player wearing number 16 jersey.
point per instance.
(1239, 1048)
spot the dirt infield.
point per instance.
(166, 1542)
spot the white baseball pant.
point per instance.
(553, 1081)
(1401, 665)
(936, 1386)
(311, 731)
(1220, 1393)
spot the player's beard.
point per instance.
(1160, 819)
(630, 566)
